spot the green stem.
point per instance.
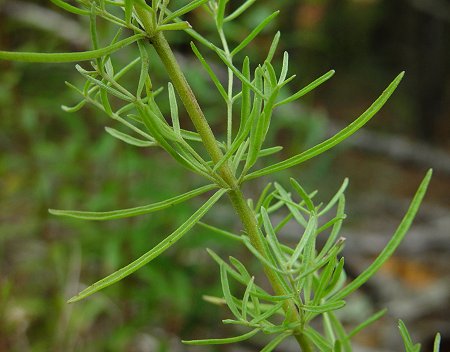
(246, 215)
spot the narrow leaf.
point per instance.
(68, 57)
(437, 343)
(70, 8)
(185, 9)
(153, 253)
(366, 323)
(392, 244)
(227, 293)
(254, 33)
(124, 213)
(145, 63)
(129, 139)
(239, 11)
(313, 85)
(336, 139)
(211, 73)
(222, 341)
(75, 108)
(273, 47)
(317, 339)
(325, 307)
(178, 26)
(301, 192)
(275, 342)
(174, 109)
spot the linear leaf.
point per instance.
(342, 342)
(124, 213)
(174, 109)
(301, 192)
(275, 342)
(239, 11)
(335, 198)
(70, 8)
(185, 9)
(325, 307)
(254, 33)
(153, 253)
(246, 297)
(273, 47)
(313, 85)
(211, 73)
(272, 238)
(366, 323)
(227, 293)
(222, 341)
(336, 139)
(392, 244)
(75, 108)
(145, 63)
(102, 85)
(68, 57)
(409, 344)
(129, 139)
(178, 26)
(317, 339)
(437, 343)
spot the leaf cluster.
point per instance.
(314, 279)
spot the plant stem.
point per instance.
(246, 215)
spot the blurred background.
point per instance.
(52, 159)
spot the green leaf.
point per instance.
(313, 85)
(366, 323)
(75, 108)
(273, 47)
(343, 340)
(185, 9)
(129, 139)
(335, 198)
(336, 139)
(307, 237)
(301, 192)
(178, 26)
(70, 8)
(238, 73)
(153, 253)
(272, 238)
(145, 63)
(239, 11)
(86, 74)
(317, 339)
(437, 342)
(392, 244)
(409, 345)
(220, 14)
(276, 341)
(223, 341)
(284, 68)
(124, 213)
(324, 307)
(211, 73)
(254, 33)
(227, 293)
(268, 313)
(174, 109)
(68, 57)
(128, 7)
(246, 297)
